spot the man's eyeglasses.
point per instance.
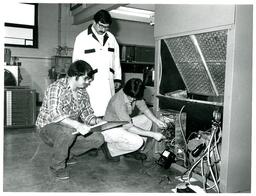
(90, 74)
(102, 26)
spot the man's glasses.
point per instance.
(102, 26)
(90, 74)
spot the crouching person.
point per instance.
(66, 109)
(131, 137)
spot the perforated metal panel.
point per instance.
(201, 61)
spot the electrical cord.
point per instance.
(206, 153)
(214, 139)
(191, 135)
(181, 127)
(211, 147)
(36, 152)
(202, 173)
(184, 138)
(38, 146)
(209, 161)
(216, 159)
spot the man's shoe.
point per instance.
(60, 174)
(114, 159)
(140, 156)
(136, 155)
(107, 154)
(93, 153)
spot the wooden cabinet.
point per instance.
(177, 21)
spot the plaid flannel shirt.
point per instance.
(59, 104)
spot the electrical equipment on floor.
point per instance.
(175, 132)
(207, 154)
(19, 107)
(166, 159)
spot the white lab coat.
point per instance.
(104, 58)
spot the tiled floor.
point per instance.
(26, 170)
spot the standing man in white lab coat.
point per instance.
(97, 46)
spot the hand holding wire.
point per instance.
(161, 124)
(158, 136)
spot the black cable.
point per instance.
(206, 153)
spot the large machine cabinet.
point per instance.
(19, 107)
(198, 56)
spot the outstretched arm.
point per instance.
(157, 136)
(151, 116)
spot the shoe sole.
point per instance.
(136, 157)
(62, 178)
(58, 178)
(113, 160)
(71, 163)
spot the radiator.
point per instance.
(19, 107)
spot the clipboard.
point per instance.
(104, 125)
(113, 124)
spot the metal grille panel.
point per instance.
(182, 49)
(218, 74)
(196, 79)
(213, 45)
(190, 63)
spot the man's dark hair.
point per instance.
(134, 88)
(80, 68)
(103, 16)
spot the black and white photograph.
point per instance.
(127, 97)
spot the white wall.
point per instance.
(36, 62)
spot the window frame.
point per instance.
(33, 27)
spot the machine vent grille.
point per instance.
(201, 61)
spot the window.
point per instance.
(21, 28)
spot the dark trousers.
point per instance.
(64, 143)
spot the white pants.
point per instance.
(120, 141)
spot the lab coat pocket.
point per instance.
(89, 51)
(111, 49)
